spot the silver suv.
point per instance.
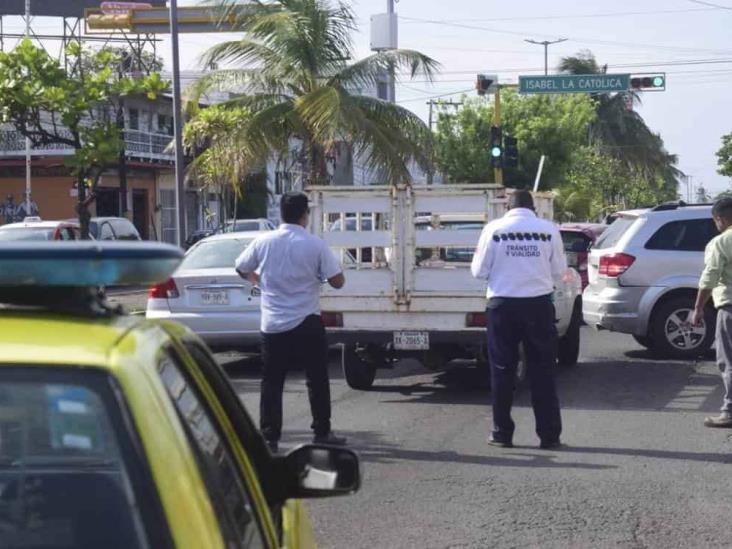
(643, 273)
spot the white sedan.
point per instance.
(207, 295)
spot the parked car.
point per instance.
(200, 234)
(207, 295)
(248, 225)
(33, 228)
(643, 276)
(113, 228)
(121, 432)
(578, 238)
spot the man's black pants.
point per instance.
(511, 322)
(304, 345)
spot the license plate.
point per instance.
(411, 341)
(220, 297)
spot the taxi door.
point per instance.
(287, 526)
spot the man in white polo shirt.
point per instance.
(290, 265)
(520, 256)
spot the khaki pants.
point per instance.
(723, 346)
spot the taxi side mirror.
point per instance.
(316, 471)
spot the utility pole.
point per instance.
(391, 85)
(497, 171)
(180, 202)
(546, 44)
(28, 163)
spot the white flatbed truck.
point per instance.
(409, 290)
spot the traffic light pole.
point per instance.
(180, 197)
(498, 170)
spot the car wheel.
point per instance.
(359, 372)
(569, 344)
(643, 341)
(672, 334)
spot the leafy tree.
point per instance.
(552, 126)
(724, 155)
(219, 165)
(290, 69)
(50, 106)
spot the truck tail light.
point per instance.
(332, 320)
(613, 265)
(475, 320)
(166, 290)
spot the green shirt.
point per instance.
(717, 275)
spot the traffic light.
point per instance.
(648, 82)
(486, 83)
(510, 152)
(496, 149)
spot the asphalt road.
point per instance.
(639, 469)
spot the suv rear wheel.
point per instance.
(671, 332)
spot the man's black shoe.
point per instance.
(550, 444)
(500, 443)
(331, 439)
(273, 446)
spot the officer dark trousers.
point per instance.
(510, 322)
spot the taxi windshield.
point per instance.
(61, 462)
(27, 233)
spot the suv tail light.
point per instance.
(613, 265)
(166, 290)
(475, 320)
(332, 320)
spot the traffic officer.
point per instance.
(289, 265)
(520, 256)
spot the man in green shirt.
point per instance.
(716, 282)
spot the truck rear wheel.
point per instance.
(359, 372)
(569, 343)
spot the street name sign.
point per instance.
(575, 83)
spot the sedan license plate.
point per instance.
(216, 297)
(411, 341)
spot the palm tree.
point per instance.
(291, 69)
(619, 130)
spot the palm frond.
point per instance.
(371, 70)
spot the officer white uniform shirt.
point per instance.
(520, 255)
(292, 265)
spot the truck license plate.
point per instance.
(220, 297)
(411, 341)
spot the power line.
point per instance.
(436, 96)
(711, 4)
(575, 39)
(584, 16)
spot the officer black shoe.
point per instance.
(331, 439)
(273, 446)
(550, 444)
(500, 443)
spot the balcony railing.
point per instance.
(138, 144)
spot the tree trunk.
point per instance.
(122, 165)
(82, 207)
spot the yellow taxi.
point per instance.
(120, 432)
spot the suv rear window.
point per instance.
(690, 235)
(614, 232)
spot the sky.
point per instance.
(689, 40)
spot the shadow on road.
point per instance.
(372, 448)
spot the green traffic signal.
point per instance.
(496, 152)
(658, 81)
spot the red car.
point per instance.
(578, 239)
